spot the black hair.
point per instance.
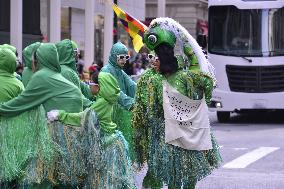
(168, 61)
(95, 76)
(202, 41)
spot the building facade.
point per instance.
(88, 22)
(192, 14)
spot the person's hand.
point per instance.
(52, 115)
(188, 51)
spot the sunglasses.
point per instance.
(92, 84)
(123, 56)
(152, 57)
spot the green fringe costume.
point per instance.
(168, 164)
(26, 132)
(22, 139)
(113, 167)
(122, 115)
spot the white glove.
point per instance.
(52, 115)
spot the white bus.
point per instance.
(246, 47)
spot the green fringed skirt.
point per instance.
(175, 166)
(79, 150)
(115, 170)
(23, 139)
(123, 118)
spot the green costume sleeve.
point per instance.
(70, 118)
(192, 58)
(203, 83)
(32, 96)
(125, 101)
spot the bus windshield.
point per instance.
(276, 32)
(236, 32)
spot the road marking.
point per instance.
(240, 149)
(250, 157)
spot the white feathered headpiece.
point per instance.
(184, 38)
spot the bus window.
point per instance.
(276, 32)
(234, 32)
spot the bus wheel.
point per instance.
(223, 117)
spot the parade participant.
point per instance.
(68, 55)
(14, 50)
(140, 114)
(114, 169)
(122, 116)
(28, 59)
(28, 138)
(180, 148)
(46, 87)
(10, 86)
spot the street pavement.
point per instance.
(252, 148)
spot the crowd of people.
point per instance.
(59, 131)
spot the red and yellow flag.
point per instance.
(132, 26)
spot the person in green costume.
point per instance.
(170, 162)
(67, 51)
(28, 60)
(47, 87)
(140, 114)
(121, 114)
(14, 50)
(115, 167)
(10, 86)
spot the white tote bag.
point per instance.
(186, 120)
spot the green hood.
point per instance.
(48, 57)
(7, 61)
(66, 53)
(10, 47)
(109, 89)
(28, 54)
(116, 49)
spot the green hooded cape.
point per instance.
(14, 50)
(126, 84)
(10, 86)
(28, 59)
(68, 69)
(47, 87)
(121, 116)
(107, 97)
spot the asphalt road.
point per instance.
(252, 148)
